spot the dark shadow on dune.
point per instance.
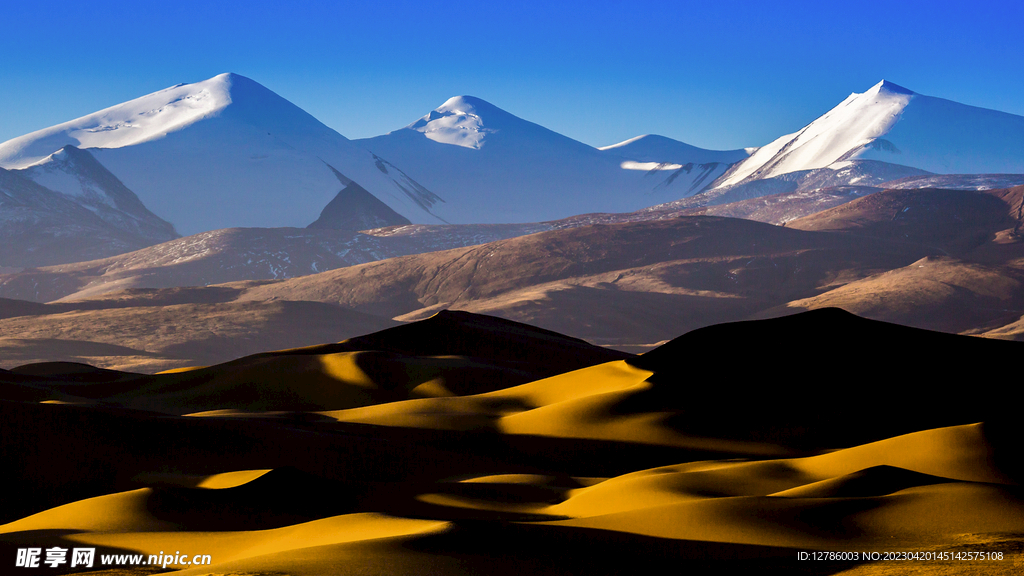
(874, 481)
(77, 379)
(279, 498)
(812, 380)
(1006, 437)
(500, 341)
(76, 372)
(509, 548)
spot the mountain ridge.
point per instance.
(225, 150)
(495, 167)
(893, 124)
(229, 153)
(84, 213)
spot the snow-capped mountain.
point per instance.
(78, 176)
(891, 124)
(227, 152)
(69, 208)
(492, 166)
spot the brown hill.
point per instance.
(783, 207)
(236, 254)
(631, 284)
(974, 288)
(153, 330)
(958, 221)
(936, 293)
(648, 280)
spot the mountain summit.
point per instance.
(226, 152)
(460, 121)
(892, 124)
(472, 122)
(492, 166)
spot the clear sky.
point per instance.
(718, 74)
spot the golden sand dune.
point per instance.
(874, 481)
(654, 398)
(122, 512)
(960, 453)
(915, 516)
(300, 541)
(303, 382)
(212, 481)
(498, 405)
(689, 456)
(451, 353)
(719, 503)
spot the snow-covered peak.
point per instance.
(224, 152)
(460, 122)
(63, 172)
(851, 126)
(147, 118)
(156, 115)
(470, 122)
(886, 87)
(467, 105)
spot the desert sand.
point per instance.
(468, 444)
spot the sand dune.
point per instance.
(581, 471)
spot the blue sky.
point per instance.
(721, 74)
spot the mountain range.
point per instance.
(493, 167)
(228, 152)
(81, 238)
